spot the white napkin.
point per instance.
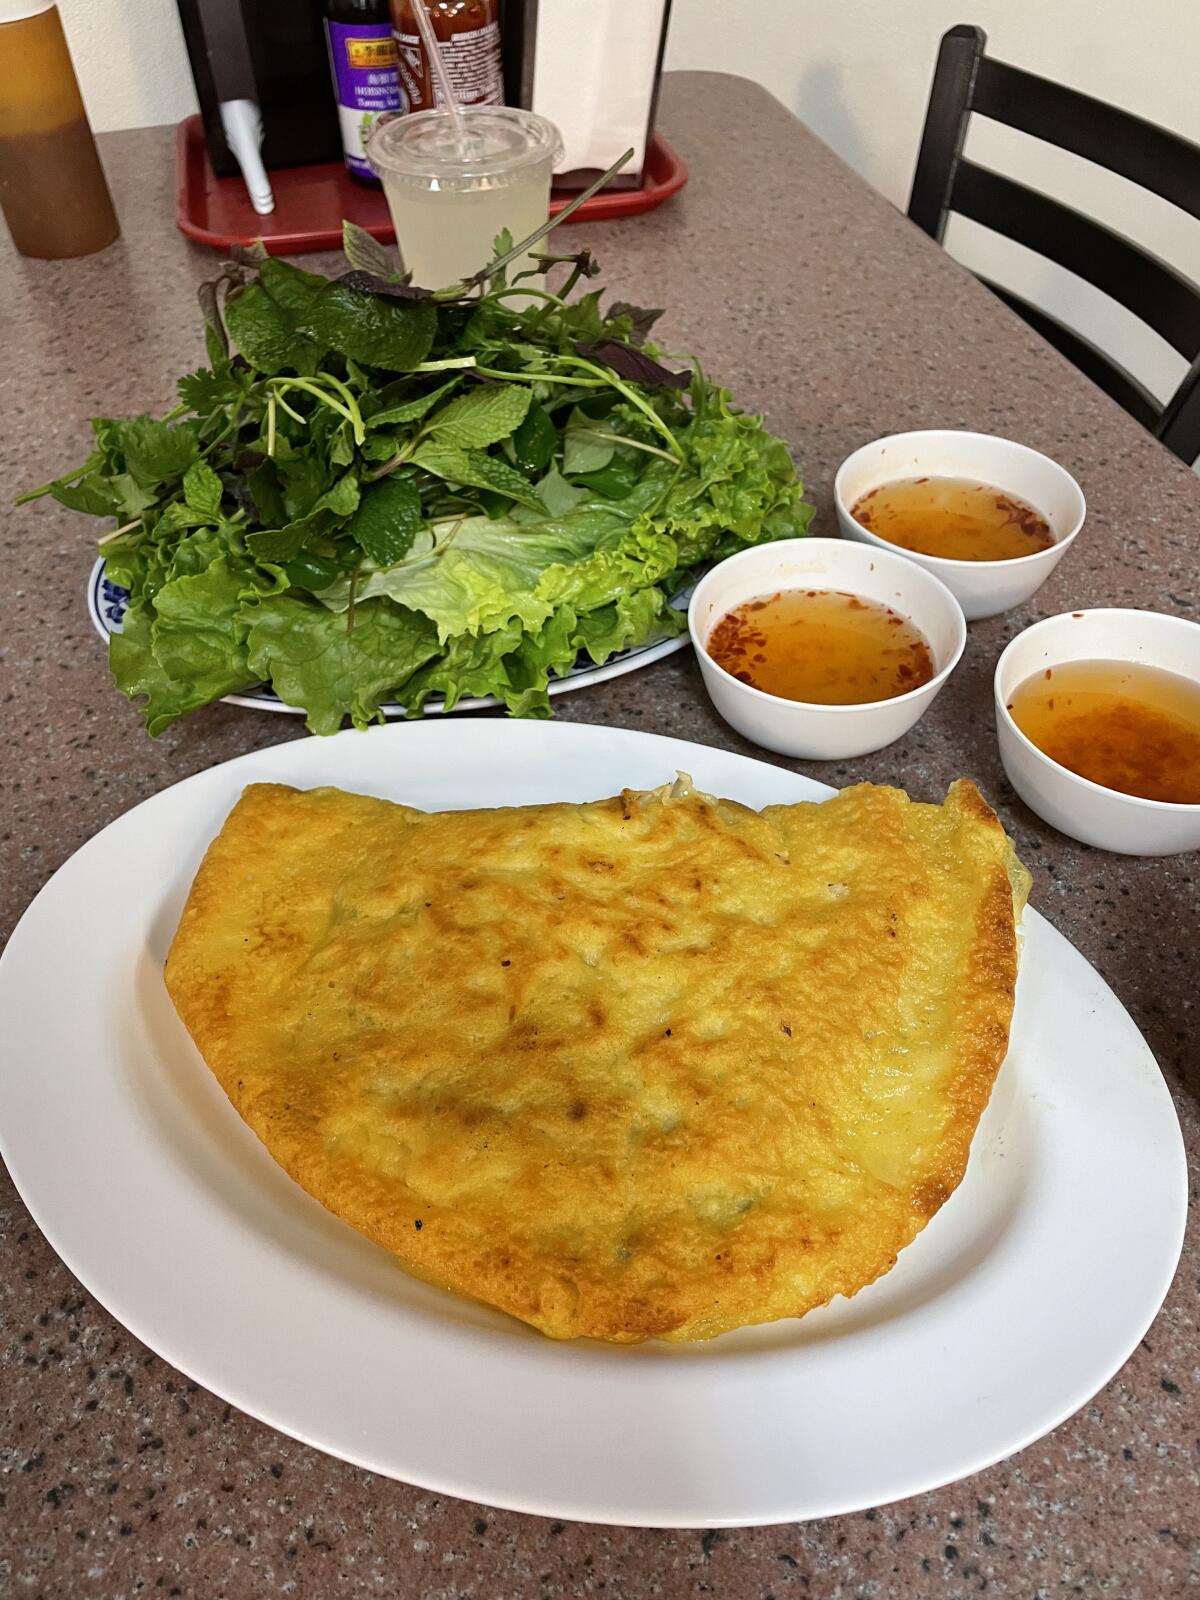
(593, 76)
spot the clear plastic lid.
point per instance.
(426, 151)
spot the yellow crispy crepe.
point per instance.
(655, 1066)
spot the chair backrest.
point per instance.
(967, 82)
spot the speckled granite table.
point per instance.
(814, 300)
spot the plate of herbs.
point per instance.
(379, 500)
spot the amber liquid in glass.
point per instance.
(1131, 728)
(958, 518)
(823, 646)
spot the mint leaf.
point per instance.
(202, 490)
(341, 447)
(293, 290)
(378, 447)
(302, 480)
(410, 410)
(314, 660)
(387, 520)
(473, 469)
(365, 253)
(266, 334)
(482, 417)
(394, 334)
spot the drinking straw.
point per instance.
(438, 67)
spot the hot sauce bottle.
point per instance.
(468, 35)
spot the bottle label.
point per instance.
(472, 60)
(366, 83)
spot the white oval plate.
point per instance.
(107, 602)
(1024, 1295)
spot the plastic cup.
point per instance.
(450, 194)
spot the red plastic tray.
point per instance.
(310, 202)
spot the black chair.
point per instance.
(967, 81)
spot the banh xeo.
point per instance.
(373, 493)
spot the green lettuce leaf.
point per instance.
(471, 666)
(640, 618)
(639, 558)
(137, 673)
(198, 636)
(186, 648)
(313, 659)
(486, 573)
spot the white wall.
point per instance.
(130, 60)
(857, 71)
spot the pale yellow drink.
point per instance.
(450, 197)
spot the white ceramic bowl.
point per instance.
(982, 588)
(1074, 805)
(798, 727)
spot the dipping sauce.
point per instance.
(823, 646)
(953, 517)
(1131, 728)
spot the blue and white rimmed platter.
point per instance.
(107, 603)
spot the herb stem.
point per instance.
(271, 425)
(347, 408)
(117, 532)
(546, 377)
(296, 416)
(526, 244)
(611, 380)
(350, 602)
(573, 277)
(355, 415)
(540, 294)
(446, 364)
(393, 462)
(633, 444)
